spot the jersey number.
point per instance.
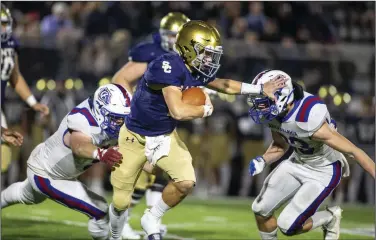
(7, 63)
(166, 67)
(299, 145)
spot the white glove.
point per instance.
(256, 165)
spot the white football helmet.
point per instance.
(263, 109)
(111, 104)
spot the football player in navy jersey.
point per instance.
(128, 75)
(10, 72)
(149, 133)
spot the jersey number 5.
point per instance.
(166, 67)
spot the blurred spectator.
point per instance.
(97, 22)
(271, 31)
(256, 18)
(288, 48)
(52, 24)
(286, 20)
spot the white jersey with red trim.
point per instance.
(53, 158)
(297, 127)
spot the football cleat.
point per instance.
(150, 225)
(332, 229)
(163, 229)
(129, 233)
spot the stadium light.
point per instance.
(337, 100)
(332, 90)
(346, 98)
(104, 81)
(51, 84)
(78, 84)
(69, 83)
(41, 84)
(323, 92)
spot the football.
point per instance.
(194, 96)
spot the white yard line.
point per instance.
(78, 224)
(366, 230)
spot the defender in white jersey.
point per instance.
(87, 135)
(302, 121)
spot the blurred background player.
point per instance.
(87, 135)
(139, 57)
(10, 73)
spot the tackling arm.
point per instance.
(128, 75)
(333, 139)
(179, 110)
(276, 149)
(82, 147)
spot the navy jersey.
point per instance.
(149, 112)
(147, 51)
(8, 52)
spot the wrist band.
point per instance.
(96, 153)
(247, 88)
(208, 110)
(31, 101)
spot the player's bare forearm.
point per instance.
(227, 86)
(274, 153)
(81, 145)
(338, 142)
(276, 149)
(18, 82)
(177, 108)
(128, 75)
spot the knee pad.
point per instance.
(185, 187)
(121, 198)
(99, 229)
(6, 157)
(259, 208)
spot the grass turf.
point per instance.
(197, 219)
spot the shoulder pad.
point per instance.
(144, 52)
(311, 115)
(81, 120)
(165, 70)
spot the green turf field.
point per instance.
(194, 219)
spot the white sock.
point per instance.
(117, 221)
(159, 209)
(152, 198)
(321, 218)
(269, 235)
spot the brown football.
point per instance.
(194, 96)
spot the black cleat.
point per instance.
(155, 236)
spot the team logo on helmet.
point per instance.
(105, 96)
